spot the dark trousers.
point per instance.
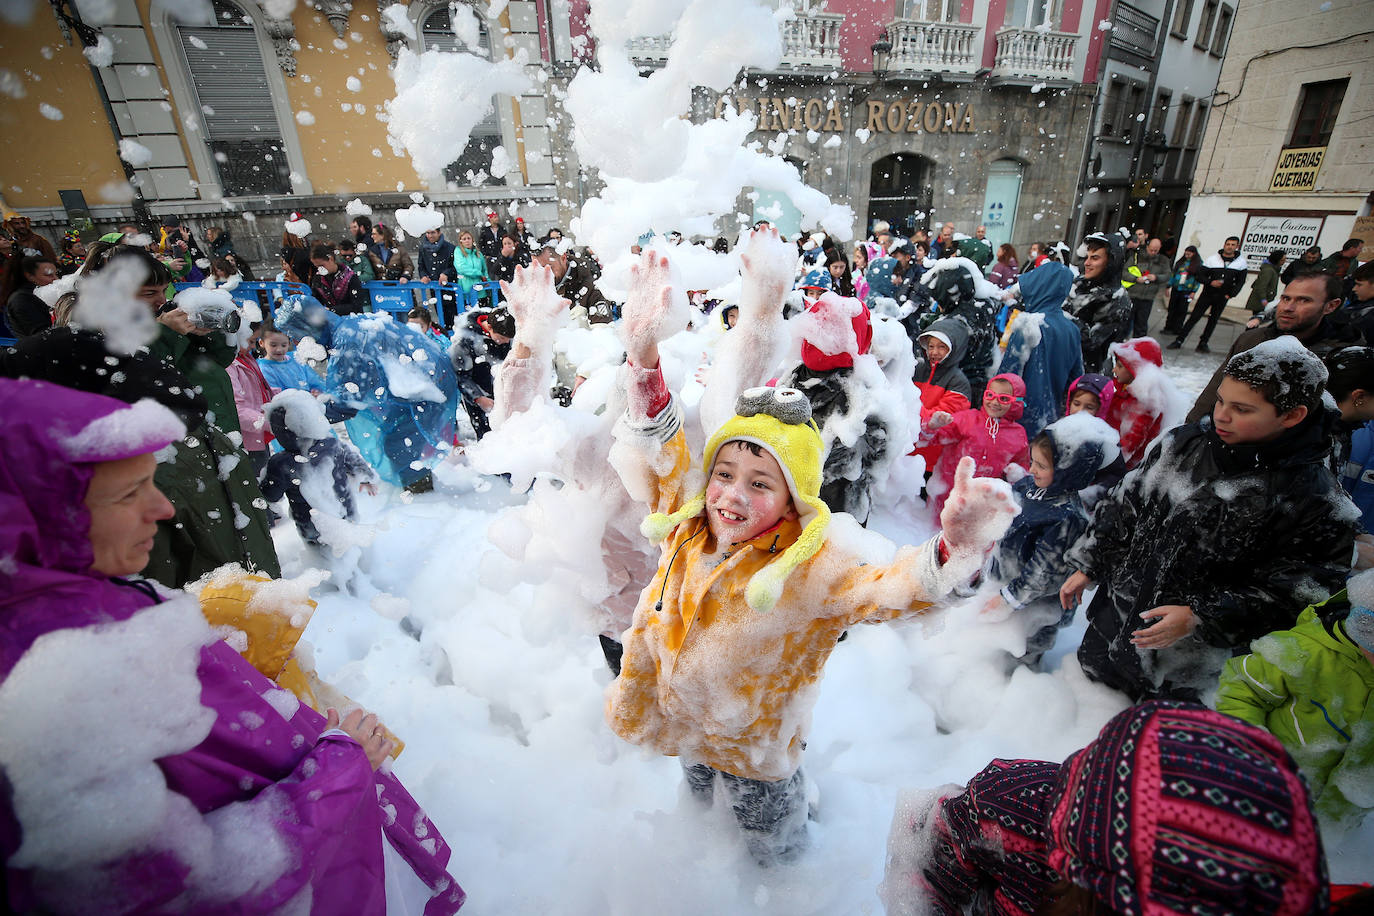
(1212, 306)
(1178, 310)
(772, 815)
(477, 417)
(1140, 316)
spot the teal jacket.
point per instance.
(1312, 688)
(471, 267)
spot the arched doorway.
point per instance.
(899, 191)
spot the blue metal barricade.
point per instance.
(262, 293)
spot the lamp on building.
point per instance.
(882, 50)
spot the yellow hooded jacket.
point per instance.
(708, 678)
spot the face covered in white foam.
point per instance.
(747, 494)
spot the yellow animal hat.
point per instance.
(778, 419)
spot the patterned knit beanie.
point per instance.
(779, 420)
(1179, 809)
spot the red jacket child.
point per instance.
(1145, 402)
(990, 435)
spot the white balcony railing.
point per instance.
(940, 47)
(808, 40)
(812, 39)
(1034, 53)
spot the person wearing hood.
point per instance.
(1029, 560)
(477, 351)
(1044, 347)
(840, 401)
(27, 243)
(1092, 394)
(1223, 275)
(435, 257)
(989, 435)
(1173, 808)
(953, 285)
(1144, 400)
(148, 766)
(942, 384)
(1203, 547)
(396, 378)
(309, 447)
(1098, 302)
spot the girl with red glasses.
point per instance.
(989, 434)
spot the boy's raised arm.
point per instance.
(647, 320)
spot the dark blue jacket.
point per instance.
(1357, 474)
(1050, 365)
(1029, 560)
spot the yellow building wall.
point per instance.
(38, 156)
(338, 146)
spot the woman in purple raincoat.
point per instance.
(298, 817)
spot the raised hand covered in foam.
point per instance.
(769, 265)
(655, 309)
(538, 309)
(978, 512)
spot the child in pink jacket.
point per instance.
(251, 393)
(989, 435)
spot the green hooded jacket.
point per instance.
(1311, 688)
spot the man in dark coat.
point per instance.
(1227, 530)
(1098, 303)
(489, 239)
(435, 257)
(576, 276)
(478, 350)
(1303, 310)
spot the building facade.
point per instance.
(977, 111)
(1287, 160)
(1161, 65)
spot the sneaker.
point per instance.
(1176, 345)
(1203, 348)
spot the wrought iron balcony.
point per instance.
(1034, 54)
(937, 47)
(1134, 31)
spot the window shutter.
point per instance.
(231, 80)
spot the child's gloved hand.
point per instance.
(977, 513)
(538, 310)
(647, 316)
(769, 265)
(938, 419)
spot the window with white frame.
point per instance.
(436, 31)
(235, 111)
(1030, 14)
(929, 10)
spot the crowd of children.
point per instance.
(1218, 550)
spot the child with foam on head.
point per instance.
(752, 591)
(314, 471)
(1226, 529)
(1145, 402)
(1029, 560)
(1313, 688)
(989, 435)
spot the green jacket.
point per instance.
(1265, 287)
(977, 250)
(1312, 690)
(202, 359)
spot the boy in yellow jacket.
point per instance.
(724, 656)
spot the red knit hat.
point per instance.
(1179, 809)
(828, 311)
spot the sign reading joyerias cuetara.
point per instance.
(1297, 169)
(910, 116)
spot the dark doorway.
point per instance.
(899, 191)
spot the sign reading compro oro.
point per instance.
(1264, 233)
(1297, 169)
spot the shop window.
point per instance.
(1183, 11)
(899, 191)
(436, 32)
(234, 103)
(1318, 106)
(1223, 30)
(1182, 121)
(1161, 113)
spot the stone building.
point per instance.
(1287, 160)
